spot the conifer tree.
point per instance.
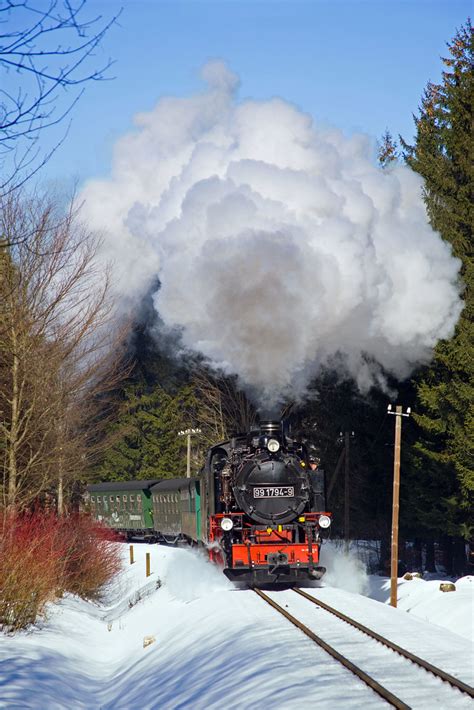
(387, 151)
(146, 444)
(442, 154)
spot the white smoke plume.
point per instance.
(280, 247)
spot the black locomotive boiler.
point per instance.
(265, 507)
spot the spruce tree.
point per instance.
(442, 154)
(145, 437)
(387, 150)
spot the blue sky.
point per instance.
(358, 64)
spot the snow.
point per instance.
(216, 646)
(423, 599)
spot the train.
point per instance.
(258, 507)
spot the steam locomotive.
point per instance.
(265, 508)
(257, 507)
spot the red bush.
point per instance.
(92, 558)
(43, 556)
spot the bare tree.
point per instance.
(223, 408)
(57, 349)
(49, 48)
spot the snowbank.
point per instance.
(423, 598)
(213, 646)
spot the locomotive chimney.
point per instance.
(271, 427)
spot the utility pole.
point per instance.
(344, 457)
(398, 413)
(346, 491)
(188, 433)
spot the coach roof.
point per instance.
(172, 484)
(122, 485)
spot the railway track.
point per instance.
(390, 697)
(438, 672)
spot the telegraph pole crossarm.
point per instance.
(398, 413)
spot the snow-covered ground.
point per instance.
(419, 596)
(217, 647)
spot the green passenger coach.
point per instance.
(125, 506)
(166, 510)
(177, 510)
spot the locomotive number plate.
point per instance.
(274, 492)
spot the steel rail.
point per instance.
(438, 672)
(379, 689)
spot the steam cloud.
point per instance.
(280, 247)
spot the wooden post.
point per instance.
(148, 564)
(188, 433)
(395, 507)
(132, 559)
(188, 456)
(335, 474)
(346, 492)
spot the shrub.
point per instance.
(43, 556)
(31, 563)
(92, 558)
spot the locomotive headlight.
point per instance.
(227, 524)
(273, 446)
(324, 521)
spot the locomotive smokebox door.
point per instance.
(271, 490)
